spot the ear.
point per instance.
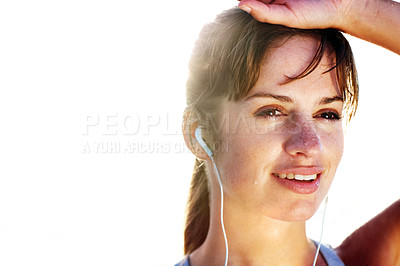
(189, 125)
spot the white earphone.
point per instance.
(202, 143)
(209, 152)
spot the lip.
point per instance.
(300, 187)
(301, 170)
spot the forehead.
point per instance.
(291, 57)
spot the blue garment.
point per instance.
(331, 258)
(184, 262)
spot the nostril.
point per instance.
(306, 142)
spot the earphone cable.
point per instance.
(222, 212)
(322, 231)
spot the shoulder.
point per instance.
(375, 243)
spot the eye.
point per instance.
(330, 115)
(269, 112)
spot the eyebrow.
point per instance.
(280, 98)
(328, 100)
(287, 99)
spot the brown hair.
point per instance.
(226, 63)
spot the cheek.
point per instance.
(333, 143)
(236, 161)
(247, 158)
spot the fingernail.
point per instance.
(246, 8)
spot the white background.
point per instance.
(76, 74)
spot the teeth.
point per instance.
(309, 177)
(297, 177)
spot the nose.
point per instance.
(302, 139)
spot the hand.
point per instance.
(305, 14)
(376, 21)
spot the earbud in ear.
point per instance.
(202, 143)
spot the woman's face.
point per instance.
(282, 132)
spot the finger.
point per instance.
(270, 2)
(270, 13)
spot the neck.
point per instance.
(253, 239)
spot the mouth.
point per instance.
(304, 183)
(297, 177)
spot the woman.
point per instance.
(270, 101)
(376, 21)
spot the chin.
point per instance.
(298, 212)
(299, 217)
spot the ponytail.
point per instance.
(198, 210)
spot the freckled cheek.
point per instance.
(247, 158)
(333, 143)
(235, 162)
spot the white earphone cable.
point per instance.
(209, 152)
(223, 226)
(222, 212)
(322, 231)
